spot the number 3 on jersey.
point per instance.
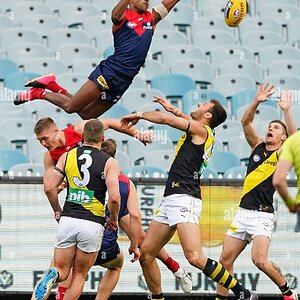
(84, 170)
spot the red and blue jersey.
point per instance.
(132, 41)
(111, 236)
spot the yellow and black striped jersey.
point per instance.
(189, 163)
(258, 189)
(84, 169)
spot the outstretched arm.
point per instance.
(262, 95)
(170, 108)
(284, 103)
(162, 9)
(118, 12)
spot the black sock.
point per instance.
(285, 290)
(158, 297)
(220, 297)
(217, 273)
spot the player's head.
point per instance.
(93, 132)
(211, 113)
(276, 133)
(109, 146)
(140, 6)
(47, 133)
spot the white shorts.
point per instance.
(86, 235)
(179, 208)
(250, 223)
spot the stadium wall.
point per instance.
(28, 229)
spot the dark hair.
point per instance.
(93, 131)
(218, 112)
(282, 124)
(42, 124)
(109, 146)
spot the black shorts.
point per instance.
(107, 254)
(112, 83)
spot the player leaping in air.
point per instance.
(133, 30)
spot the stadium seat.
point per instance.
(269, 55)
(104, 40)
(257, 40)
(176, 53)
(123, 161)
(57, 4)
(94, 24)
(106, 6)
(263, 113)
(108, 52)
(42, 23)
(47, 109)
(210, 23)
(151, 106)
(173, 85)
(141, 95)
(26, 8)
(285, 67)
(9, 158)
(221, 161)
(193, 97)
(2, 8)
(228, 129)
(296, 114)
(164, 38)
(236, 173)
(7, 66)
(160, 158)
(85, 65)
(4, 142)
(16, 80)
(62, 36)
(243, 67)
(5, 22)
(258, 24)
(17, 129)
(138, 82)
(239, 146)
(45, 65)
(281, 12)
(200, 70)
(73, 13)
(72, 81)
(26, 51)
(70, 120)
(213, 9)
(33, 147)
(151, 69)
(293, 31)
(116, 112)
(11, 36)
(284, 82)
(147, 172)
(27, 169)
(10, 111)
(261, 5)
(166, 25)
(118, 136)
(72, 52)
(231, 52)
(182, 15)
(228, 85)
(209, 173)
(173, 134)
(210, 39)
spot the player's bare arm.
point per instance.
(54, 178)
(171, 108)
(161, 10)
(135, 222)
(262, 95)
(111, 172)
(284, 102)
(118, 12)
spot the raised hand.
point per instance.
(164, 103)
(264, 92)
(129, 120)
(285, 99)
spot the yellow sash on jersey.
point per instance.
(71, 171)
(260, 174)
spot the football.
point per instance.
(234, 12)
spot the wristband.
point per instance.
(139, 114)
(176, 112)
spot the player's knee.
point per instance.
(196, 259)
(69, 108)
(260, 262)
(146, 258)
(225, 262)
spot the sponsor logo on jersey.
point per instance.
(103, 82)
(131, 24)
(80, 196)
(147, 26)
(256, 158)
